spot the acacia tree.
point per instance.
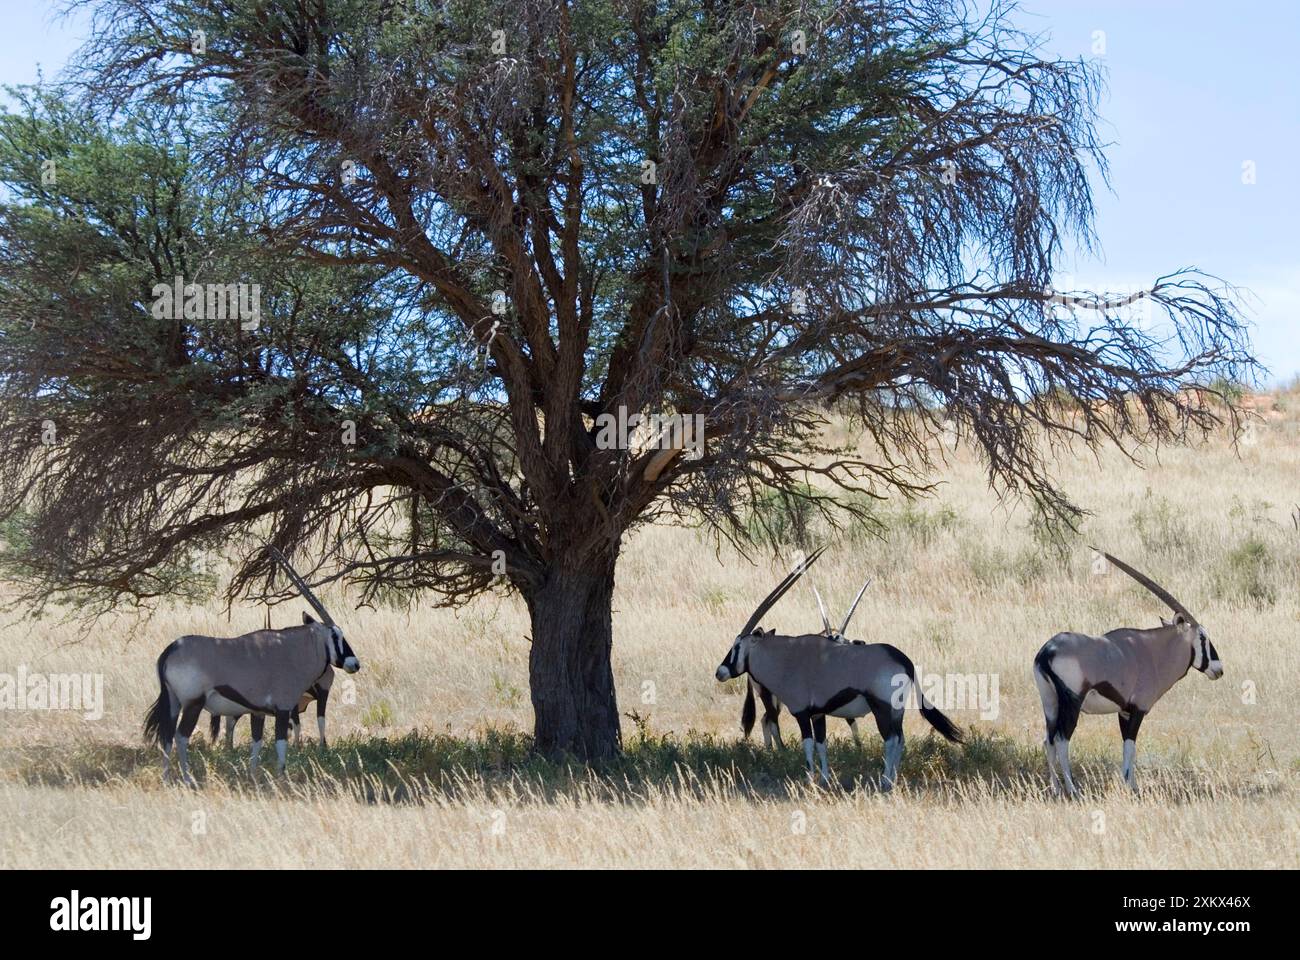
(484, 228)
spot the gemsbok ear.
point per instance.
(1179, 620)
(306, 618)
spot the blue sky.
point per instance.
(1196, 89)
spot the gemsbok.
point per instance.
(771, 705)
(816, 677)
(265, 672)
(319, 693)
(1125, 671)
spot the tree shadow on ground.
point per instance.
(421, 767)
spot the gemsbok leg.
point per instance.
(1047, 694)
(281, 739)
(1050, 752)
(214, 730)
(166, 712)
(321, 697)
(889, 721)
(771, 718)
(1063, 759)
(806, 734)
(819, 734)
(853, 725)
(1128, 728)
(189, 719)
(258, 723)
(1060, 716)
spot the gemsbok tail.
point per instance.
(159, 722)
(748, 712)
(1067, 704)
(947, 729)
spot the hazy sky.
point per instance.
(1196, 90)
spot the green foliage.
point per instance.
(992, 565)
(1051, 537)
(505, 692)
(714, 599)
(939, 633)
(1232, 391)
(1160, 528)
(780, 519)
(918, 526)
(1247, 573)
(377, 716)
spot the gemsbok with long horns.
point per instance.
(771, 705)
(816, 677)
(1125, 671)
(264, 673)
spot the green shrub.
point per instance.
(507, 693)
(377, 716)
(783, 519)
(1160, 528)
(1246, 573)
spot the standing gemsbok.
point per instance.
(1125, 671)
(771, 705)
(265, 672)
(816, 677)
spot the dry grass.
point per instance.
(430, 768)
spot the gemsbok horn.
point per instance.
(817, 677)
(263, 673)
(772, 706)
(1125, 671)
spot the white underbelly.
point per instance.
(222, 707)
(1094, 702)
(857, 707)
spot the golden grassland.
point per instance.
(428, 764)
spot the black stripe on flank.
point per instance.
(1110, 693)
(233, 695)
(844, 697)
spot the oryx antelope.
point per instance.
(816, 677)
(1125, 671)
(319, 692)
(771, 705)
(265, 672)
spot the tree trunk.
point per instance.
(569, 671)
